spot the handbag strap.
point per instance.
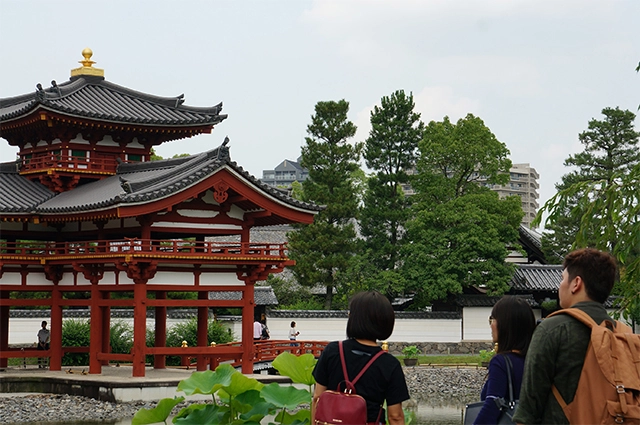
(509, 372)
(364, 369)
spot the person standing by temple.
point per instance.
(44, 338)
(293, 334)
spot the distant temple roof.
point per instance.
(537, 277)
(263, 295)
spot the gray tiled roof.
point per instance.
(135, 183)
(488, 301)
(536, 277)
(263, 295)
(18, 194)
(98, 99)
(343, 314)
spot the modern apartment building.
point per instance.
(524, 183)
(285, 174)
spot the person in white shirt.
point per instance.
(257, 330)
(293, 333)
(44, 337)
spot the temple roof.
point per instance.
(133, 184)
(95, 98)
(19, 194)
(535, 277)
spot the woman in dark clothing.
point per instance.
(512, 323)
(371, 318)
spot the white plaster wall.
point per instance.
(475, 323)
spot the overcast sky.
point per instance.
(535, 71)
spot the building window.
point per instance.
(134, 158)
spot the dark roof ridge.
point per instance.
(9, 167)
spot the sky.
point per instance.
(535, 71)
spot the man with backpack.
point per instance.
(567, 378)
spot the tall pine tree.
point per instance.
(390, 152)
(602, 199)
(324, 249)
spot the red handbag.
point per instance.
(344, 407)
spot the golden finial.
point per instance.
(184, 344)
(213, 344)
(87, 53)
(87, 66)
(385, 346)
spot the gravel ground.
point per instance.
(435, 385)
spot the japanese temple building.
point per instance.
(84, 209)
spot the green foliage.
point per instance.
(390, 152)
(121, 337)
(76, 333)
(604, 199)
(610, 147)
(324, 248)
(486, 355)
(461, 233)
(157, 414)
(411, 352)
(460, 243)
(289, 293)
(298, 368)
(238, 399)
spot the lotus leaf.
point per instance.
(240, 384)
(158, 414)
(209, 414)
(298, 368)
(207, 382)
(288, 397)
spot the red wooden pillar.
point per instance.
(248, 348)
(139, 327)
(4, 325)
(160, 361)
(95, 344)
(203, 325)
(106, 327)
(55, 362)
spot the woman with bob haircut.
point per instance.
(512, 324)
(371, 318)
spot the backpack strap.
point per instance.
(364, 369)
(509, 365)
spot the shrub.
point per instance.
(75, 333)
(121, 337)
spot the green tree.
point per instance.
(462, 232)
(390, 152)
(323, 249)
(604, 198)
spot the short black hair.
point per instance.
(293, 324)
(371, 316)
(516, 323)
(597, 269)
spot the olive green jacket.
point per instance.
(555, 356)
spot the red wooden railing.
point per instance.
(69, 163)
(231, 352)
(132, 246)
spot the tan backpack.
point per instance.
(609, 388)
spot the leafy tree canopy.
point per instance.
(462, 232)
